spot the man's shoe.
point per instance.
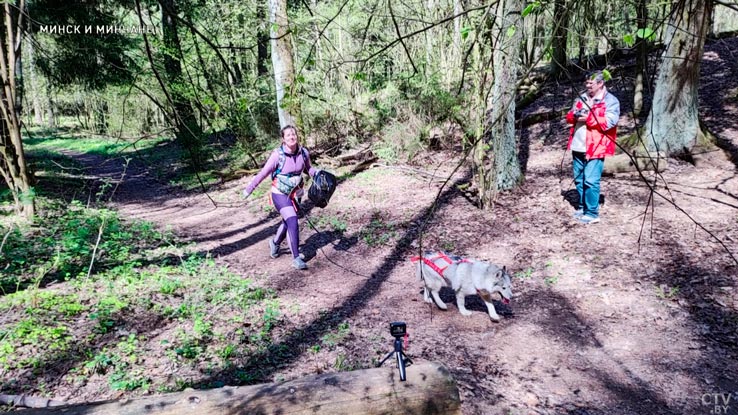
(273, 249)
(588, 220)
(299, 263)
(578, 213)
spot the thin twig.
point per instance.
(122, 176)
(94, 251)
(5, 238)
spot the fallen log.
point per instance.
(26, 401)
(621, 163)
(429, 389)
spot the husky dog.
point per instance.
(465, 277)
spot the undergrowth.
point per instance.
(100, 296)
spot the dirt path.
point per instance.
(635, 315)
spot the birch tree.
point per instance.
(284, 72)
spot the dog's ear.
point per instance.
(500, 274)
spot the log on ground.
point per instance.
(429, 389)
(621, 163)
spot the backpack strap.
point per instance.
(280, 163)
(304, 160)
(283, 158)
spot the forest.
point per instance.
(132, 265)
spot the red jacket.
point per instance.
(600, 139)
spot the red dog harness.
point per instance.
(434, 267)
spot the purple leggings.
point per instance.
(288, 227)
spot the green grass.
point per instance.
(331, 223)
(53, 311)
(527, 273)
(665, 292)
(54, 141)
(336, 336)
(378, 232)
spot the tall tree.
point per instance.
(188, 130)
(262, 41)
(672, 125)
(35, 89)
(13, 166)
(501, 170)
(284, 71)
(641, 55)
(559, 36)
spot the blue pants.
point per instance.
(587, 174)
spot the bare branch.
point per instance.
(399, 37)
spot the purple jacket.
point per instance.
(293, 163)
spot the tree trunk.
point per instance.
(262, 42)
(50, 116)
(641, 57)
(458, 9)
(672, 126)
(504, 170)
(235, 76)
(559, 37)
(99, 116)
(284, 71)
(428, 390)
(38, 118)
(187, 128)
(13, 167)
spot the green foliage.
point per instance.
(551, 280)
(377, 232)
(26, 342)
(527, 273)
(336, 336)
(207, 304)
(331, 223)
(534, 7)
(62, 242)
(665, 292)
(92, 60)
(49, 145)
(606, 75)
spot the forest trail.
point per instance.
(635, 315)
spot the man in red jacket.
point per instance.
(594, 117)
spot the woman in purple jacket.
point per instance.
(286, 165)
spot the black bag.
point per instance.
(324, 184)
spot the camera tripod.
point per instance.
(400, 356)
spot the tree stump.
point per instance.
(429, 389)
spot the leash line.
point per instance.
(304, 212)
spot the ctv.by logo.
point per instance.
(719, 403)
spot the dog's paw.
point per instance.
(495, 318)
(466, 313)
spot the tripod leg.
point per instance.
(401, 365)
(385, 359)
(408, 361)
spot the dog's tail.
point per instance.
(419, 271)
